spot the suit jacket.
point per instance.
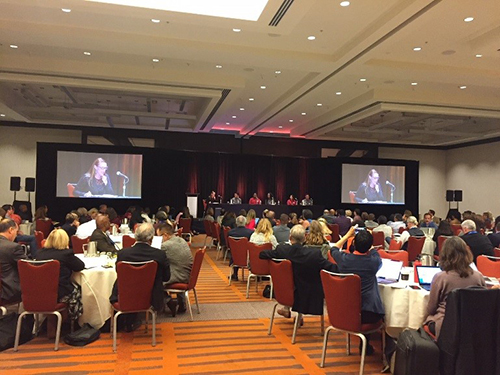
(68, 263)
(104, 243)
(240, 232)
(180, 259)
(306, 264)
(141, 252)
(10, 253)
(479, 244)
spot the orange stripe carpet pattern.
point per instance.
(201, 347)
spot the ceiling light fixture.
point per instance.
(319, 104)
(311, 37)
(280, 127)
(263, 87)
(414, 83)
(237, 30)
(228, 123)
(345, 3)
(271, 131)
(233, 116)
(290, 120)
(362, 80)
(14, 46)
(251, 99)
(277, 71)
(417, 48)
(463, 87)
(303, 113)
(154, 20)
(479, 56)
(2, 115)
(469, 19)
(218, 66)
(156, 60)
(66, 10)
(87, 53)
(338, 93)
(242, 109)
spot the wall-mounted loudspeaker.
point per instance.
(15, 183)
(449, 196)
(457, 196)
(29, 184)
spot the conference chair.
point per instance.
(225, 232)
(346, 288)
(488, 265)
(77, 243)
(185, 223)
(191, 285)
(441, 241)
(258, 267)
(496, 252)
(44, 226)
(335, 231)
(39, 285)
(71, 189)
(456, 228)
(216, 235)
(352, 196)
(39, 238)
(401, 230)
(400, 255)
(127, 241)
(378, 239)
(135, 287)
(415, 246)
(208, 231)
(395, 245)
(239, 253)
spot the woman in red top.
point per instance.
(255, 199)
(291, 201)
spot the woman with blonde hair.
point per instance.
(316, 238)
(264, 234)
(57, 247)
(251, 219)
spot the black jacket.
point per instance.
(104, 243)
(479, 244)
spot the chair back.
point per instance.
(71, 189)
(378, 238)
(39, 284)
(441, 241)
(216, 231)
(39, 238)
(400, 255)
(395, 245)
(77, 243)
(401, 230)
(135, 284)
(489, 266)
(195, 270)
(239, 251)
(349, 242)
(208, 228)
(127, 241)
(496, 252)
(330, 258)
(456, 228)
(335, 231)
(43, 226)
(225, 232)
(259, 266)
(179, 232)
(345, 288)
(283, 285)
(185, 223)
(352, 196)
(415, 246)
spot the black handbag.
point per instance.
(8, 325)
(83, 336)
(266, 293)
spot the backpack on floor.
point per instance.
(83, 336)
(8, 325)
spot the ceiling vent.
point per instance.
(281, 12)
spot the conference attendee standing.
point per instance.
(10, 253)
(478, 243)
(96, 181)
(255, 199)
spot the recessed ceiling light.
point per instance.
(271, 131)
(237, 30)
(251, 99)
(218, 66)
(154, 20)
(13, 46)
(233, 116)
(156, 60)
(228, 123)
(263, 87)
(417, 48)
(242, 109)
(362, 79)
(463, 87)
(338, 93)
(66, 10)
(469, 19)
(2, 115)
(414, 83)
(311, 37)
(345, 3)
(303, 113)
(290, 120)
(277, 71)
(87, 53)
(281, 127)
(479, 56)
(319, 104)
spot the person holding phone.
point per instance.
(96, 181)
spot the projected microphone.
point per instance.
(390, 184)
(118, 173)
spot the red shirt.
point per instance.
(254, 201)
(291, 202)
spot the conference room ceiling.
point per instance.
(359, 79)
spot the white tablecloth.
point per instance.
(97, 284)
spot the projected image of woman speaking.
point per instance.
(370, 190)
(96, 181)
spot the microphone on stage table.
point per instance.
(118, 173)
(390, 184)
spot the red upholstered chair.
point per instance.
(441, 240)
(346, 288)
(415, 246)
(225, 232)
(135, 286)
(401, 230)
(395, 245)
(185, 223)
(496, 252)
(352, 196)
(258, 267)
(39, 238)
(456, 228)
(400, 255)
(349, 242)
(489, 266)
(328, 238)
(44, 226)
(335, 231)
(39, 284)
(208, 231)
(239, 252)
(330, 258)
(127, 241)
(77, 244)
(71, 189)
(216, 235)
(178, 233)
(378, 239)
(193, 279)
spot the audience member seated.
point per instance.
(365, 262)
(41, 213)
(9, 213)
(454, 216)
(478, 243)
(255, 199)
(343, 222)
(428, 223)
(264, 234)
(443, 229)
(209, 215)
(21, 237)
(86, 229)
(397, 223)
(10, 253)
(315, 239)
(24, 213)
(495, 237)
(383, 227)
(136, 218)
(281, 231)
(270, 215)
(324, 228)
(251, 219)
(239, 232)
(329, 216)
(113, 216)
(412, 231)
(455, 260)
(370, 222)
(71, 224)
(307, 217)
(57, 247)
(83, 215)
(181, 261)
(306, 264)
(104, 243)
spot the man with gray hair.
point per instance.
(239, 232)
(307, 262)
(478, 243)
(412, 231)
(142, 251)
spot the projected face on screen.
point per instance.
(373, 184)
(86, 175)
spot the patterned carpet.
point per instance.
(228, 337)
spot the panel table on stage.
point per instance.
(317, 210)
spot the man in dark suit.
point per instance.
(10, 253)
(307, 263)
(142, 251)
(239, 232)
(104, 243)
(478, 243)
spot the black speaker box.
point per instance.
(458, 195)
(15, 183)
(449, 196)
(29, 184)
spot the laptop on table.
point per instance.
(425, 274)
(389, 272)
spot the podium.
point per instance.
(192, 203)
